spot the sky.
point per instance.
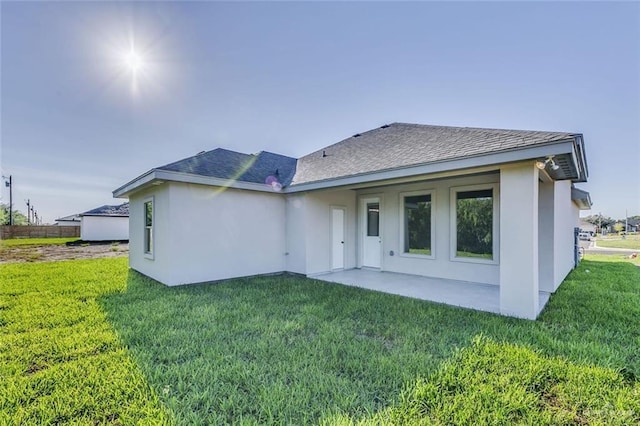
(76, 121)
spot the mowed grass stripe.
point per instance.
(60, 360)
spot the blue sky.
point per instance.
(294, 77)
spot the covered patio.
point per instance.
(481, 297)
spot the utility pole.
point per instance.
(626, 223)
(9, 183)
(28, 212)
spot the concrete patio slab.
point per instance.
(478, 296)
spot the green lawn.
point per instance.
(296, 351)
(26, 242)
(630, 242)
(498, 383)
(614, 257)
(60, 360)
(291, 350)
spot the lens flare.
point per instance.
(133, 61)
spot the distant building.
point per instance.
(105, 223)
(587, 227)
(71, 220)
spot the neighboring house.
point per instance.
(587, 227)
(486, 206)
(631, 226)
(106, 223)
(71, 220)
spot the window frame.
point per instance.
(402, 196)
(453, 219)
(148, 254)
(368, 221)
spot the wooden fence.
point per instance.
(43, 231)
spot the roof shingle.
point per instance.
(224, 164)
(400, 145)
(121, 210)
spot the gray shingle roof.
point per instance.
(71, 217)
(400, 145)
(225, 164)
(121, 210)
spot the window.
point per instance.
(373, 220)
(417, 224)
(474, 223)
(148, 227)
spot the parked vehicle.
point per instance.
(586, 236)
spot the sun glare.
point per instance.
(133, 61)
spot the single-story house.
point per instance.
(71, 220)
(629, 225)
(488, 206)
(105, 223)
(587, 227)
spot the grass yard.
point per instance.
(60, 360)
(35, 242)
(289, 350)
(297, 351)
(630, 242)
(615, 257)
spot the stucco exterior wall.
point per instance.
(296, 246)
(317, 227)
(519, 284)
(104, 228)
(441, 265)
(158, 265)
(217, 234)
(203, 234)
(546, 244)
(567, 217)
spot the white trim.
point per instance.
(362, 228)
(453, 231)
(402, 221)
(344, 234)
(149, 255)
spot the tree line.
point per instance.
(18, 217)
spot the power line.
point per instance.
(9, 183)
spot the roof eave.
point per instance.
(581, 198)
(104, 215)
(566, 146)
(581, 158)
(135, 184)
(156, 176)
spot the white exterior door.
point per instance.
(372, 241)
(337, 238)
